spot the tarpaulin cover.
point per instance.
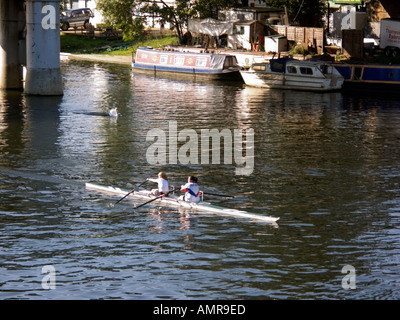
(210, 27)
(217, 61)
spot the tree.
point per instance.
(176, 14)
(120, 13)
(308, 13)
(209, 8)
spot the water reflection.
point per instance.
(12, 124)
(28, 126)
(326, 164)
(161, 216)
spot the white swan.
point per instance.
(113, 112)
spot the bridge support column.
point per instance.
(43, 75)
(11, 25)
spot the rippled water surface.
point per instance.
(327, 164)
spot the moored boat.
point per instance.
(370, 77)
(288, 73)
(173, 201)
(195, 65)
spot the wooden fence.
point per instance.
(309, 37)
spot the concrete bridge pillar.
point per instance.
(12, 21)
(43, 75)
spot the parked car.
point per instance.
(75, 18)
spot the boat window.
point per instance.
(180, 60)
(304, 70)
(357, 74)
(291, 69)
(259, 67)
(201, 62)
(164, 59)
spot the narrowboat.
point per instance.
(195, 65)
(370, 77)
(289, 73)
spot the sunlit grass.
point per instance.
(155, 41)
(73, 43)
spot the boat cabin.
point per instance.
(289, 66)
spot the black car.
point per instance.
(75, 18)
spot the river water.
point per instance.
(327, 164)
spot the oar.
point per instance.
(218, 195)
(158, 197)
(142, 183)
(113, 204)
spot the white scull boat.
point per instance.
(173, 201)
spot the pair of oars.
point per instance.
(113, 204)
(162, 195)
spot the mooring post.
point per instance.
(12, 22)
(43, 74)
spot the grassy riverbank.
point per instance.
(79, 44)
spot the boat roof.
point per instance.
(282, 62)
(173, 51)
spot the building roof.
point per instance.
(248, 22)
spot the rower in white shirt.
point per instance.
(192, 190)
(162, 182)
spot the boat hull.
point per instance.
(192, 74)
(283, 81)
(370, 77)
(175, 202)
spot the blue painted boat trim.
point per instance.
(374, 73)
(175, 69)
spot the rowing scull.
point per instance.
(174, 201)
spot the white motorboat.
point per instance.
(288, 73)
(172, 200)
